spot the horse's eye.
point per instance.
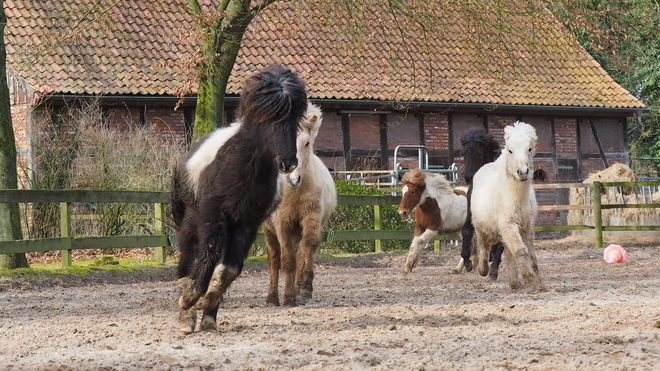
(530, 149)
(307, 145)
(510, 151)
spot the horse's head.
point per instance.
(275, 100)
(414, 184)
(479, 148)
(520, 148)
(307, 132)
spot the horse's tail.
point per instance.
(178, 205)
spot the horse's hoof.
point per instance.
(208, 324)
(304, 298)
(187, 320)
(467, 264)
(289, 303)
(408, 267)
(272, 301)
(493, 275)
(456, 271)
(515, 285)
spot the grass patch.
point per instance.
(83, 268)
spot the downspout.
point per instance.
(640, 124)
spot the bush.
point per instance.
(74, 148)
(350, 218)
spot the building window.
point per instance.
(540, 175)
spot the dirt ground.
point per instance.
(365, 315)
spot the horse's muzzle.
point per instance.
(288, 166)
(523, 175)
(293, 181)
(404, 214)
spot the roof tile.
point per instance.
(139, 47)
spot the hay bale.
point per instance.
(577, 196)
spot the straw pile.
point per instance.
(579, 196)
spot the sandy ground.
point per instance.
(365, 315)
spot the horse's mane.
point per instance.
(438, 182)
(312, 119)
(520, 128)
(482, 137)
(415, 177)
(430, 180)
(275, 94)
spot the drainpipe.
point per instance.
(640, 124)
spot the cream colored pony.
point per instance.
(504, 207)
(292, 231)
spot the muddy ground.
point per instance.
(365, 315)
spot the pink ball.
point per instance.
(614, 254)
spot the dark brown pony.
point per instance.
(228, 185)
(479, 148)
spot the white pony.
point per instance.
(292, 231)
(504, 207)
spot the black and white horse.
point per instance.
(228, 185)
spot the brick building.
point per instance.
(392, 87)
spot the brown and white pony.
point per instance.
(504, 208)
(439, 208)
(293, 230)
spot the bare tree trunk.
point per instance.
(10, 224)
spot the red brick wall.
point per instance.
(330, 135)
(436, 131)
(331, 138)
(365, 132)
(402, 129)
(566, 135)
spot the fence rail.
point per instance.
(160, 240)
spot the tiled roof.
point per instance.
(140, 47)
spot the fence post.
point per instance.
(159, 229)
(598, 216)
(378, 216)
(65, 231)
(436, 245)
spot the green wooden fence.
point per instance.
(160, 240)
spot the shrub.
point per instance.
(352, 217)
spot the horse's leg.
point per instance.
(528, 238)
(467, 232)
(213, 238)
(187, 242)
(496, 259)
(209, 319)
(514, 281)
(274, 265)
(483, 251)
(459, 266)
(416, 246)
(511, 235)
(309, 243)
(230, 266)
(289, 264)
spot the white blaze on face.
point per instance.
(404, 190)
